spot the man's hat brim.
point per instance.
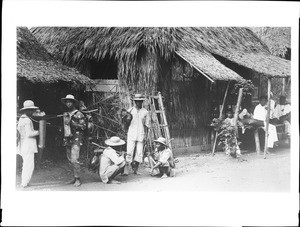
(63, 100)
(110, 143)
(29, 108)
(157, 141)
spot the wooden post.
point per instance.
(42, 141)
(236, 114)
(257, 143)
(283, 86)
(220, 115)
(267, 119)
(166, 126)
(224, 99)
(238, 104)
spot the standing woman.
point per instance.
(27, 145)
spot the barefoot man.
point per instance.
(137, 133)
(112, 161)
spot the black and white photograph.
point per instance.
(184, 117)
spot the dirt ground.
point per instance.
(194, 172)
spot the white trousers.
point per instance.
(27, 169)
(272, 135)
(131, 145)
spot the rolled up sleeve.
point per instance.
(117, 160)
(164, 157)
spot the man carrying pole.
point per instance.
(74, 126)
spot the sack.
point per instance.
(126, 118)
(89, 125)
(94, 163)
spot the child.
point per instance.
(163, 160)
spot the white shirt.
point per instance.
(140, 118)
(282, 110)
(260, 113)
(27, 142)
(108, 158)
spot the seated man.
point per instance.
(163, 160)
(282, 112)
(111, 161)
(260, 113)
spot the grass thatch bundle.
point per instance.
(278, 39)
(139, 50)
(36, 65)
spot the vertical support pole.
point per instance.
(166, 126)
(238, 104)
(42, 141)
(220, 115)
(257, 143)
(283, 86)
(267, 119)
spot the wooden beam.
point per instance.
(257, 142)
(283, 86)
(267, 119)
(220, 115)
(238, 104)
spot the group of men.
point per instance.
(279, 114)
(112, 160)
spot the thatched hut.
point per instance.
(45, 80)
(188, 65)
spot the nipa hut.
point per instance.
(190, 66)
(45, 80)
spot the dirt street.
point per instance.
(196, 172)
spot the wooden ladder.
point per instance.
(159, 120)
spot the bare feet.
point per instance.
(71, 181)
(114, 182)
(77, 183)
(164, 176)
(136, 173)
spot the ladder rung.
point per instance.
(163, 125)
(154, 97)
(159, 111)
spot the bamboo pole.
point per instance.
(220, 115)
(257, 143)
(42, 141)
(238, 104)
(166, 126)
(283, 86)
(267, 119)
(236, 114)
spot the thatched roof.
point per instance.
(278, 39)
(36, 65)
(207, 65)
(240, 45)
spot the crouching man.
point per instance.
(162, 162)
(112, 162)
